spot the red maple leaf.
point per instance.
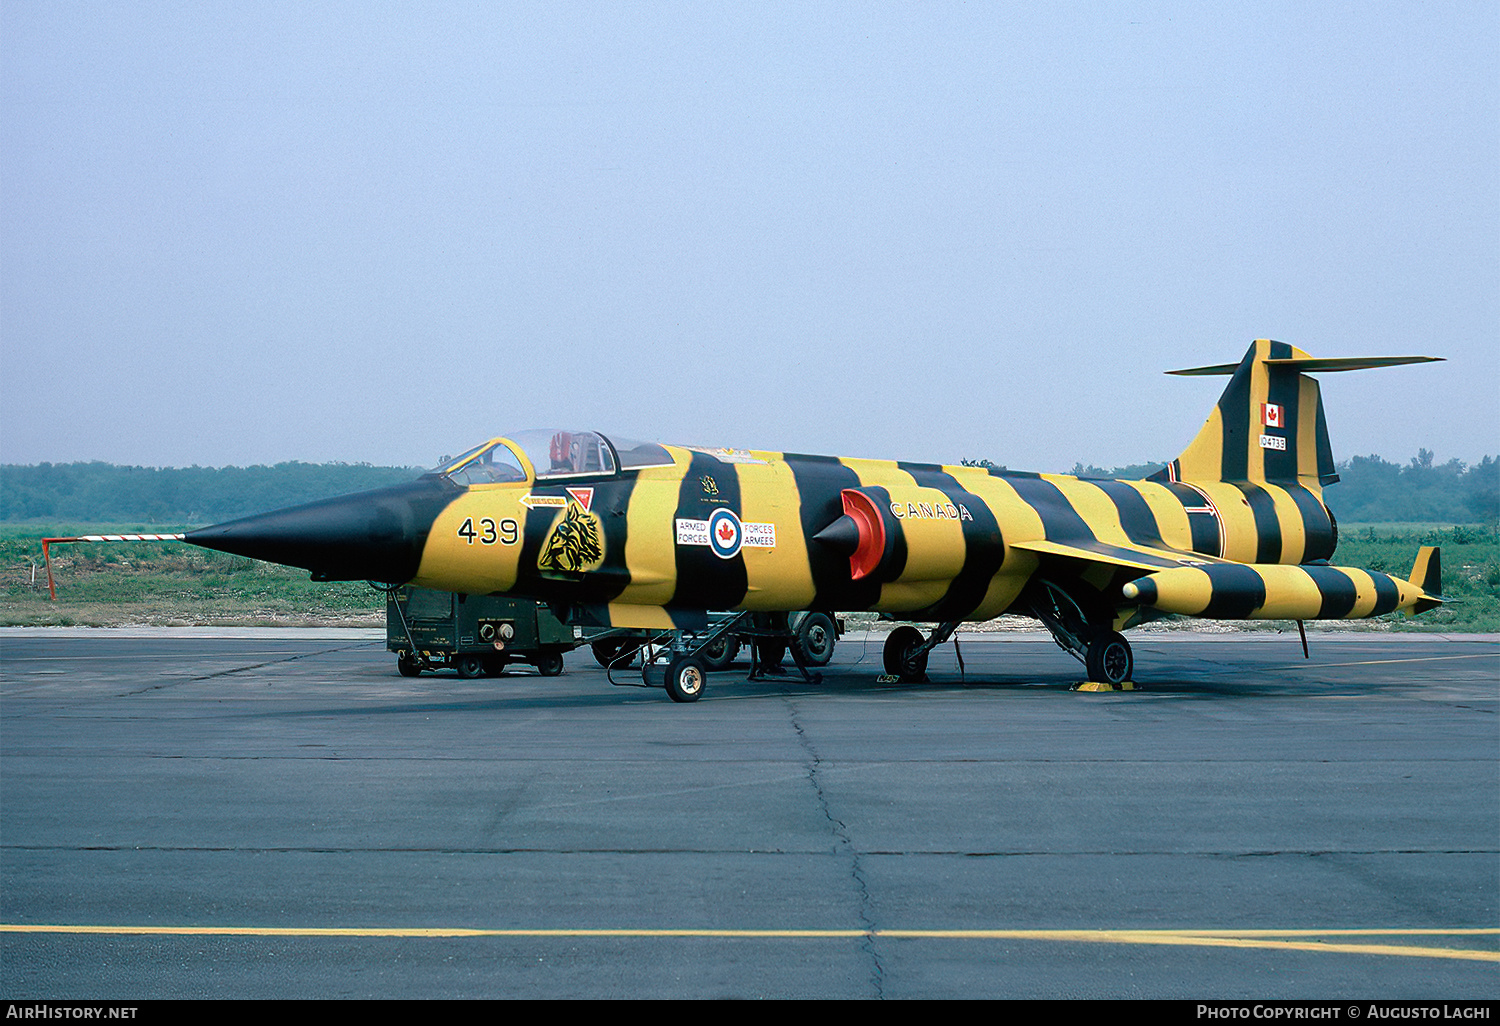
(726, 533)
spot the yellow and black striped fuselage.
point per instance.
(635, 534)
(735, 530)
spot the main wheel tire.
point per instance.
(769, 653)
(609, 653)
(686, 677)
(720, 654)
(901, 657)
(407, 665)
(1109, 659)
(814, 640)
(469, 666)
(549, 663)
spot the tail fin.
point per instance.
(1269, 424)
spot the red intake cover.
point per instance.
(867, 555)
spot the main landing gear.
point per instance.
(1088, 635)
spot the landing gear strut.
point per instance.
(905, 653)
(1088, 636)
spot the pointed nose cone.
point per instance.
(842, 536)
(368, 536)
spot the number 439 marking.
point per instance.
(508, 533)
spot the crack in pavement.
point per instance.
(239, 669)
(845, 844)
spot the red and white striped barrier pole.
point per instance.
(47, 548)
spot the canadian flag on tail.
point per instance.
(1271, 415)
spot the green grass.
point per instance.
(163, 583)
(1447, 532)
(1471, 569)
(172, 584)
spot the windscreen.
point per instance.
(484, 464)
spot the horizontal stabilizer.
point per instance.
(1310, 364)
(1269, 424)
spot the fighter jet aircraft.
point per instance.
(635, 534)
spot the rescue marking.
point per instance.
(531, 501)
(1212, 510)
(1275, 940)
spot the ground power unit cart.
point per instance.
(477, 635)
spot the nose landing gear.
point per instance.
(905, 653)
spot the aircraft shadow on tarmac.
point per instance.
(521, 691)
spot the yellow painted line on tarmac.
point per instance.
(1262, 939)
(1272, 940)
(421, 931)
(1415, 659)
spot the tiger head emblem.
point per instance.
(575, 543)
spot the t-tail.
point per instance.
(1269, 423)
(1265, 446)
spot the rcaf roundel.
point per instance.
(725, 535)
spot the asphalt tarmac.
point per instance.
(278, 814)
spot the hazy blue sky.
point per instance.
(254, 232)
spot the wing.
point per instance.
(1129, 556)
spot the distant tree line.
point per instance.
(1370, 489)
(1373, 490)
(106, 493)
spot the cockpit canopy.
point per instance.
(550, 455)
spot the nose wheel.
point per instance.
(905, 655)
